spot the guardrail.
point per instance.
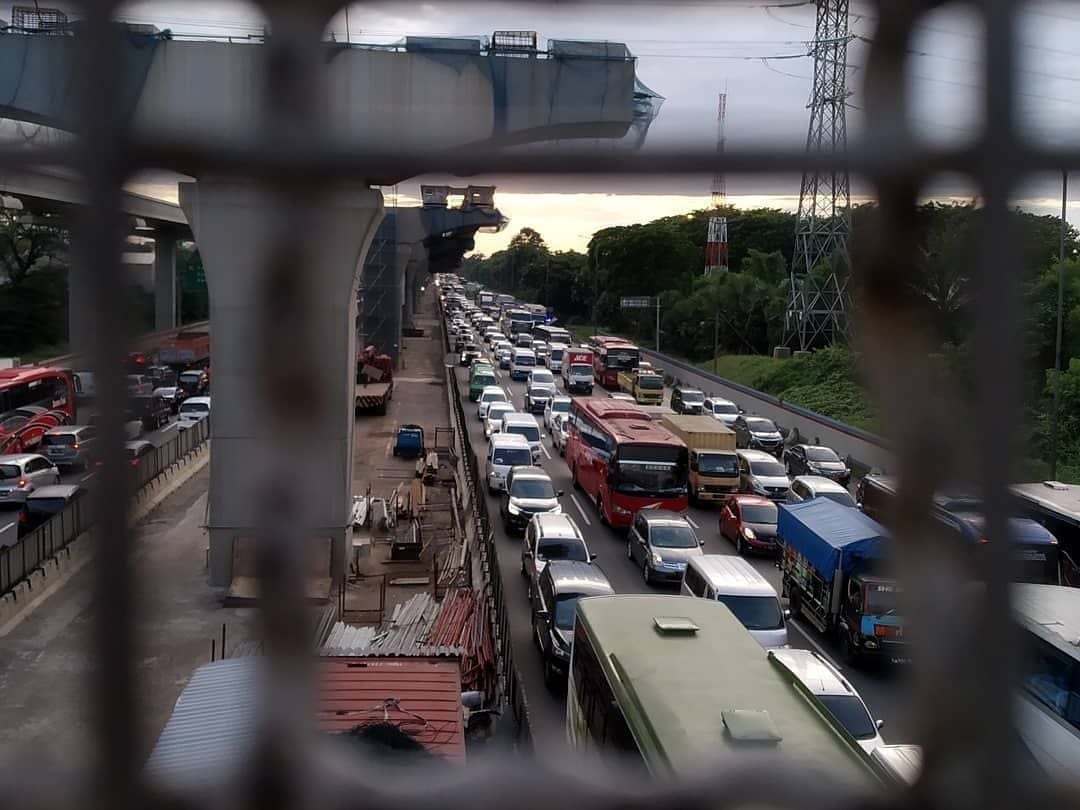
(865, 450)
(489, 564)
(33, 550)
(148, 340)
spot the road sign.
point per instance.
(638, 302)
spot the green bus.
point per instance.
(481, 376)
(674, 682)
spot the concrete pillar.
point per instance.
(164, 282)
(235, 226)
(80, 309)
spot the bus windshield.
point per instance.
(650, 471)
(622, 358)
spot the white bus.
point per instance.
(1048, 713)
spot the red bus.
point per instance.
(624, 461)
(610, 356)
(32, 400)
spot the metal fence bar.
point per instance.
(32, 550)
(294, 153)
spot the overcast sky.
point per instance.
(688, 51)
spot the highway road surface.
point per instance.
(883, 688)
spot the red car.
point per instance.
(749, 521)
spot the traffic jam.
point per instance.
(603, 479)
(50, 449)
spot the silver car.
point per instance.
(22, 474)
(661, 542)
(71, 445)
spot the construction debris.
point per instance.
(463, 622)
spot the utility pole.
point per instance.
(1057, 343)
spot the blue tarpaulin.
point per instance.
(830, 535)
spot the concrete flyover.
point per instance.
(56, 192)
(412, 243)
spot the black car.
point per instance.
(562, 583)
(153, 409)
(528, 492)
(813, 459)
(757, 433)
(685, 399)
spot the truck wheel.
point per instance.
(794, 602)
(738, 545)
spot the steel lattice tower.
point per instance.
(817, 311)
(716, 241)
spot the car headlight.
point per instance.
(758, 487)
(618, 510)
(657, 559)
(748, 533)
(513, 510)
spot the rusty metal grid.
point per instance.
(966, 733)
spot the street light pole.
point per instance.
(658, 324)
(1057, 343)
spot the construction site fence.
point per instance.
(492, 586)
(35, 550)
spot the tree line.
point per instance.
(35, 257)
(742, 311)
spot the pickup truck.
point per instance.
(834, 564)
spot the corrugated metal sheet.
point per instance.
(402, 635)
(212, 730)
(212, 726)
(422, 696)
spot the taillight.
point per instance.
(982, 541)
(22, 517)
(22, 482)
(75, 446)
(134, 462)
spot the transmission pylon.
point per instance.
(716, 242)
(818, 304)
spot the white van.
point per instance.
(555, 356)
(507, 450)
(522, 362)
(745, 592)
(525, 425)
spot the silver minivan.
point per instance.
(745, 592)
(506, 451)
(21, 474)
(70, 445)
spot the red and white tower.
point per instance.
(716, 242)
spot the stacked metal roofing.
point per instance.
(403, 635)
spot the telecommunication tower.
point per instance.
(716, 242)
(817, 309)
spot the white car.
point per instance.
(560, 432)
(194, 410)
(556, 405)
(540, 376)
(723, 410)
(834, 692)
(490, 395)
(621, 396)
(493, 422)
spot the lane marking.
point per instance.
(167, 428)
(544, 450)
(87, 477)
(5, 528)
(690, 520)
(580, 510)
(805, 633)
